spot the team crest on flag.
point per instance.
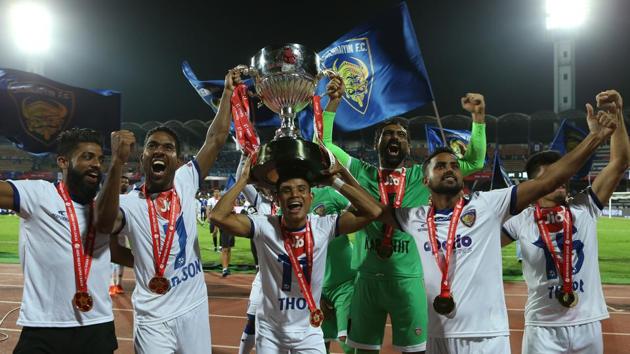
(469, 217)
(352, 59)
(44, 110)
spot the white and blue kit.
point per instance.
(183, 310)
(479, 321)
(550, 327)
(283, 315)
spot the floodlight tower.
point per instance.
(563, 18)
(31, 25)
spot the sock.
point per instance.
(248, 339)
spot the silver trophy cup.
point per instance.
(285, 80)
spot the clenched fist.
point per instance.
(123, 142)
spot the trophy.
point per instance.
(285, 78)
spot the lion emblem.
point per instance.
(355, 77)
(458, 147)
(43, 116)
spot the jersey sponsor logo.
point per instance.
(60, 215)
(469, 217)
(578, 286)
(292, 303)
(462, 244)
(578, 253)
(398, 246)
(186, 273)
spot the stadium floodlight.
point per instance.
(31, 26)
(566, 14)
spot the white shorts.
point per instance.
(580, 339)
(472, 345)
(311, 342)
(255, 295)
(188, 333)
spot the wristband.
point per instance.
(338, 183)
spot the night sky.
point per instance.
(499, 48)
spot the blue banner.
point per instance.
(34, 110)
(382, 69)
(499, 178)
(457, 140)
(567, 138)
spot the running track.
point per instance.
(228, 301)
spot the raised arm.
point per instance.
(367, 208)
(334, 89)
(222, 215)
(219, 128)
(608, 179)
(119, 254)
(601, 127)
(475, 155)
(108, 216)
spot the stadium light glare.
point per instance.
(31, 25)
(566, 14)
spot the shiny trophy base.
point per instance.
(288, 156)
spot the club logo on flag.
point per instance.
(44, 110)
(352, 59)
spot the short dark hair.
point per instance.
(437, 151)
(125, 177)
(285, 174)
(167, 130)
(539, 159)
(69, 140)
(396, 120)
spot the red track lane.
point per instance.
(228, 302)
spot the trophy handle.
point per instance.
(246, 70)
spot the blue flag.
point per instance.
(34, 110)
(229, 183)
(499, 178)
(567, 138)
(457, 140)
(382, 69)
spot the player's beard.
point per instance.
(79, 188)
(391, 161)
(448, 189)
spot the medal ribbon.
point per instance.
(566, 267)
(305, 287)
(445, 287)
(82, 260)
(400, 193)
(160, 256)
(318, 120)
(245, 133)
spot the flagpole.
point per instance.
(439, 121)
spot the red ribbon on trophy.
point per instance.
(245, 133)
(82, 260)
(318, 120)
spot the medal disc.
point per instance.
(384, 252)
(443, 305)
(82, 301)
(569, 299)
(159, 285)
(317, 317)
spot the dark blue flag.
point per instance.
(567, 138)
(499, 178)
(457, 140)
(382, 69)
(229, 183)
(34, 110)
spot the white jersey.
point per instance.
(475, 270)
(539, 270)
(286, 311)
(46, 257)
(212, 202)
(183, 269)
(260, 205)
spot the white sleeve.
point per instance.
(510, 228)
(27, 196)
(501, 201)
(406, 216)
(326, 224)
(252, 195)
(588, 200)
(187, 178)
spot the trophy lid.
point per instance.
(288, 58)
